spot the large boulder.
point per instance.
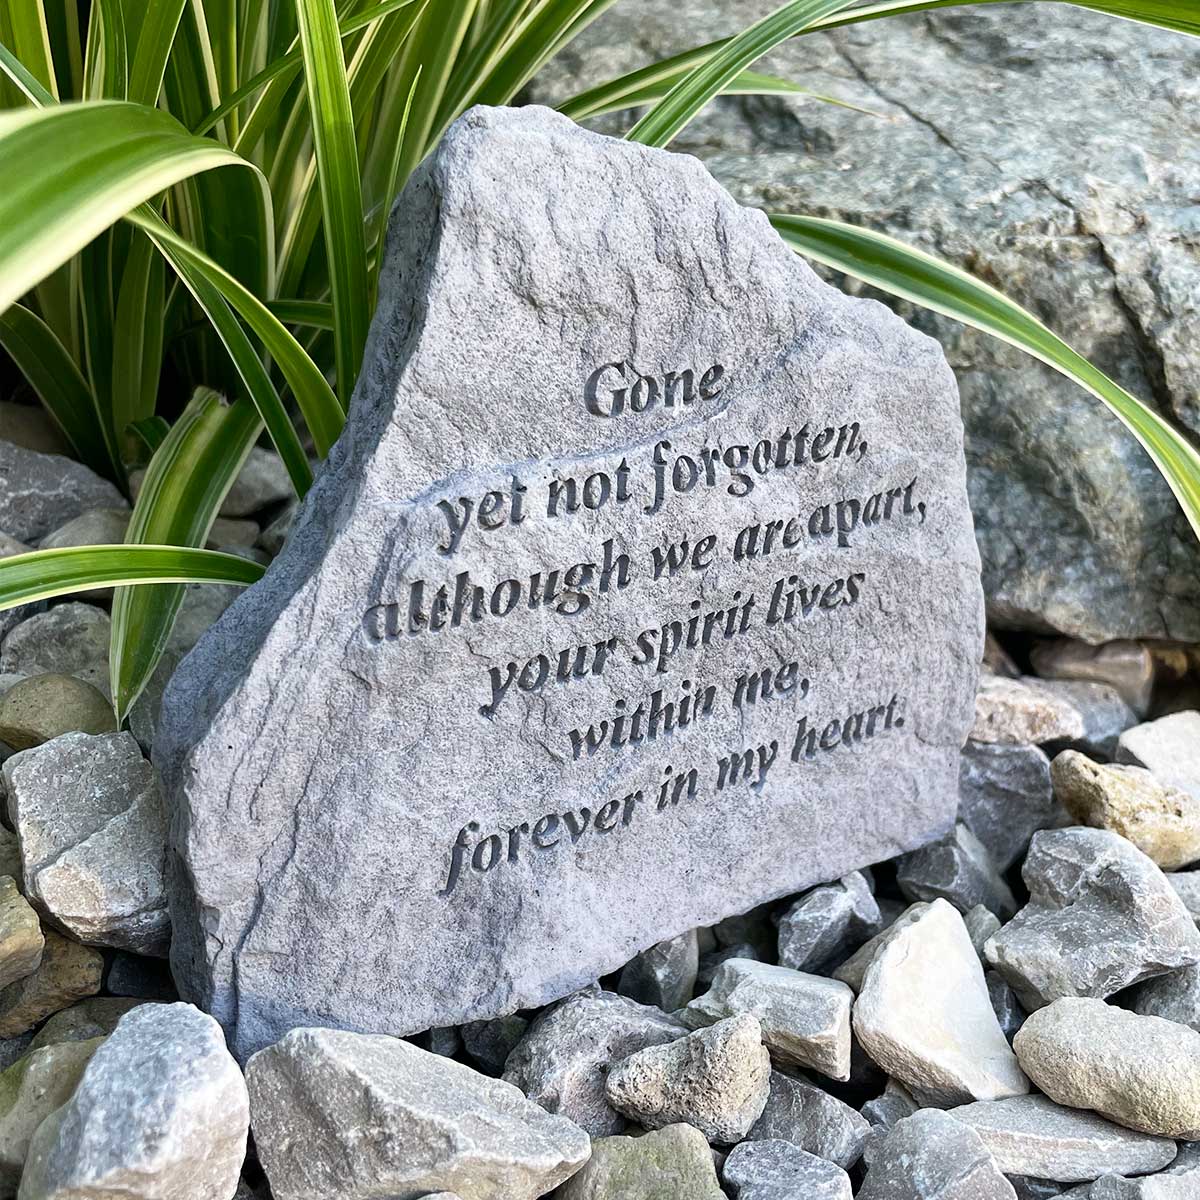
(1075, 196)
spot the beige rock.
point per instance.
(1161, 821)
(92, 1018)
(44, 706)
(10, 849)
(671, 1162)
(29, 425)
(21, 938)
(67, 972)
(1125, 665)
(1017, 711)
(1140, 1071)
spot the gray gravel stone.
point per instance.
(827, 921)
(1143, 1072)
(98, 527)
(1101, 916)
(1170, 747)
(12, 617)
(40, 492)
(275, 534)
(13, 1048)
(671, 1162)
(711, 962)
(43, 707)
(716, 1079)
(1005, 797)
(1179, 1181)
(67, 972)
(780, 1170)
(262, 481)
(436, 1124)
(89, 813)
(21, 938)
(1174, 997)
(1104, 714)
(925, 1017)
(981, 923)
(805, 1019)
(930, 1156)
(1161, 821)
(1031, 1135)
(159, 1114)
(1126, 665)
(561, 1062)
(1018, 712)
(1186, 885)
(1005, 1004)
(809, 1117)
(854, 969)
(956, 868)
(446, 927)
(68, 639)
(489, 1043)
(93, 1018)
(664, 975)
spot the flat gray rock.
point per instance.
(1101, 916)
(716, 1079)
(930, 1156)
(826, 922)
(1031, 1135)
(262, 481)
(160, 1112)
(436, 1125)
(1005, 797)
(956, 868)
(539, 605)
(779, 1170)
(40, 492)
(1169, 747)
(1186, 885)
(89, 814)
(809, 1117)
(1141, 1071)
(805, 1018)
(562, 1061)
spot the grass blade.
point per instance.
(340, 183)
(44, 574)
(83, 166)
(315, 314)
(137, 337)
(914, 275)
(185, 485)
(31, 41)
(159, 24)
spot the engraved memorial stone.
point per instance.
(641, 589)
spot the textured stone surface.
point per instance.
(779, 1170)
(1186, 885)
(1174, 997)
(319, 878)
(1170, 747)
(161, 1113)
(1005, 1004)
(67, 972)
(489, 1043)
(930, 1156)
(1005, 797)
(924, 1015)
(664, 975)
(562, 1060)
(40, 492)
(1019, 711)
(716, 1079)
(805, 1019)
(854, 969)
(1101, 916)
(46, 706)
(97, 527)
(21, 938)
(93, 1018)
(1179, 1181)
(10, 850)
(1143, 1072)
(667, 1164)
(1125, 665)
(1077, 199)
(30, 1090)
(1161, 821)
(90, 817)
(436, 1124)
(1104, 714)
(981, 923)
(957, 868)
(1031, 1135)
(809, 1117)
(827, 921)
(263, 480)
(68, 639)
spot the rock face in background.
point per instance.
(1051, 151)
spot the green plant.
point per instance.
(132, 270)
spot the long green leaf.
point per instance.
(160, 20)
(914, 275)
(82, 167)
(341, 184)
(60, 385)
(31, 40)
(137, 336)
(44, 574)
(185, 485)
(106, 66)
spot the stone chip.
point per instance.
(809, 1117)
(670, 1162)
(780, 1170)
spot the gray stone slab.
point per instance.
(39, 492)
(391, 814)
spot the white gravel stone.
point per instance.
(827, 921)
(161, 1113)
(89, 814)
(779, 1170)
(561, 1062)
(716, 1079)
(1101, 916)
(925, 1017)
(1018, 711)
(805, 1018)
(434, 1124)
(1143, 1072)
(1170, 747)
(1005, 797)
(1031, 1135)
(809, 1117)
